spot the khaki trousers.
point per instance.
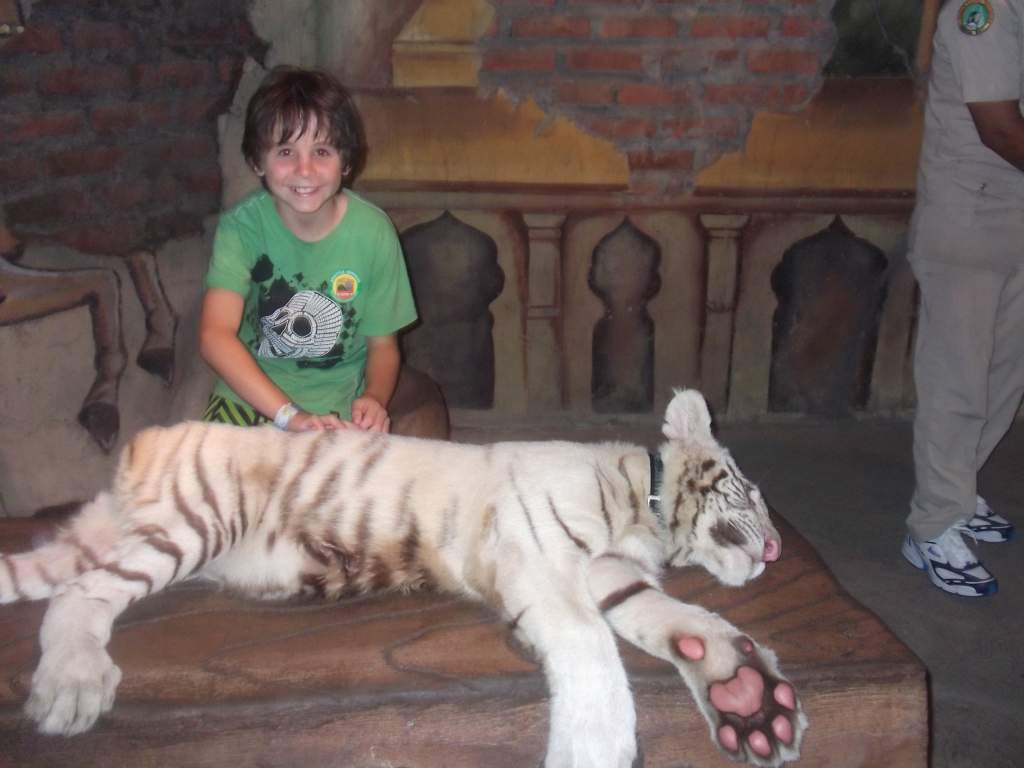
(968, 361)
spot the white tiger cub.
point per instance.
(558, 537)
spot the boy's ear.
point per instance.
(257, 170)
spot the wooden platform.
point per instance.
(427, 681)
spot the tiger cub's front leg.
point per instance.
(752, 710)
(592, 722)
(76, 679)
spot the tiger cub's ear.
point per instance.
(687, 417)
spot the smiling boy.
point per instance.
(307, 286)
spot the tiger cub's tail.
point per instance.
(80, 546)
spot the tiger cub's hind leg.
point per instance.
(76, 678)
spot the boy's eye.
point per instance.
(283, 151)
(324, 152)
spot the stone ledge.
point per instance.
(427, 680)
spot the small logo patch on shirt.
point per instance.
(345, 285)
(975, 17)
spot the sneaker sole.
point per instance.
(993, 537)
(914, 557)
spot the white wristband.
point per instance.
(284, 415)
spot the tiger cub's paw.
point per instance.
(755, 714)
(72, 686)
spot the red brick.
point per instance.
(186, 147)
(113, 236)
(87, 80)
(20, 170)
(229, 68)
(128, 193)
(519, 61)
(155, 112)
(703, 127)
(623, 128)
(37, 38)
(40, 125)
(643, 27)
(116, 117)
(757, 95)
(606, 3)
(649, 159)
(47, 208)
(802, 26)
(206, 180)
(84, 161)
(784, 62)
(606, 60)
(551, 27)
(687, 60)
(90, 35)
(178, 73)
(583, 92)
(730, 26)
(202, 108)
(659, 182)
(172, 224)
(649, 94)
(15, 82)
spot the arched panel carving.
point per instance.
(455, 276)
(830, 290)
(624, 275)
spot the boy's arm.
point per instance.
(230, 359)
(383, 358)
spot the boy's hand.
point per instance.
(306, 422)
(369, 414)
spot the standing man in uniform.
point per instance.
(967, 253)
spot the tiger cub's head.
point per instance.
(715, 516)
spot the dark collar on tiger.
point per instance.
(654, 499)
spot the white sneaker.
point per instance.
(951, 566)
(986, 525)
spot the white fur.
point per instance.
(556, 536)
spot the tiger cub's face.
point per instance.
(717, 518)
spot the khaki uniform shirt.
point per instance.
(970, 201)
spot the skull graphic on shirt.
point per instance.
(307, 326)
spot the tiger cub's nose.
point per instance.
(772, 550)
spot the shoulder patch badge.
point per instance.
(345, 285)
(975, 17)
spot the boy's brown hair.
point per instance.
(288, 100)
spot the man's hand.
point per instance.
(369, 414)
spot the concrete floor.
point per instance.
(845, 486)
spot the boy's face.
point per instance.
(303, 173)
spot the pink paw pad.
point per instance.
(783, 729)
(741, 695)
(759, 744)
(744, 645)
(727, 738)
(784, 695)
(690, 646)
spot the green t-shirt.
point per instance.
(310, 306)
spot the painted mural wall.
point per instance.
(599, 201)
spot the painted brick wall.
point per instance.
(674, 83)
(108, 119)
